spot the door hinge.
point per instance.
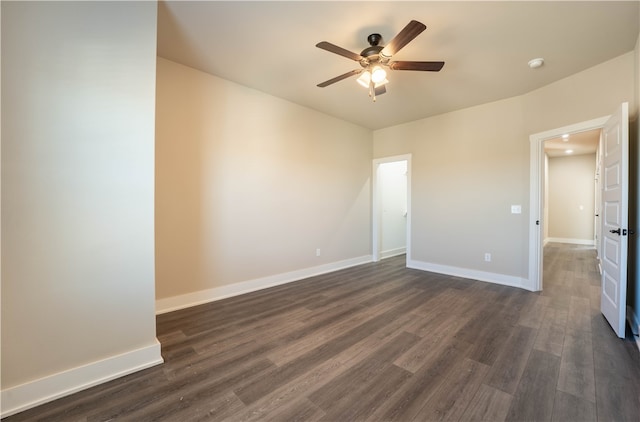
(537, 222)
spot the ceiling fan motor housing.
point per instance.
(371, 54)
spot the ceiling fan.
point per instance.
(374, 58)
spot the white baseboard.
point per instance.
(586, 242)
(31, 394)
(217, 293)
(634, 323)
(505, 280)
(393, 252)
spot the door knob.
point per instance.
(616, 231)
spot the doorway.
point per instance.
(571, 191)
(613, 245)
(537, 192)
(391, 205)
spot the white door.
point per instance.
(615, 185)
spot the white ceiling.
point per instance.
(579, 143)
(270, 46)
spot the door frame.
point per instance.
(536, 203)
(376, 197)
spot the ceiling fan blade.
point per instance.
(339, 78)
(339, 50)
(380, 90)
(408, 33)
(426, 66)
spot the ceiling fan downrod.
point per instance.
(372, 91)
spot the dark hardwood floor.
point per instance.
(381, 342)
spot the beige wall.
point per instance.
(470, 165)
(468, 168)
(572, 197)
(249, 185)
(78, 83)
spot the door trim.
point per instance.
(376, 215)
(536, 211)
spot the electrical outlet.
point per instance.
(318, 252)
(487, 257)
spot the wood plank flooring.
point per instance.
(380, 342)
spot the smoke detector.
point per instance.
(536, 63)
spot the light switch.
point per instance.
(516, 209)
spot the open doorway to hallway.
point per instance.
(613, 222)
(571, 198)
(571, 188)
(570, 193)
(542, 145)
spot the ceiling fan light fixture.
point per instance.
(365, 79)
(372, 59)
(378, 75)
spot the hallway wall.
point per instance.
(572, 199)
